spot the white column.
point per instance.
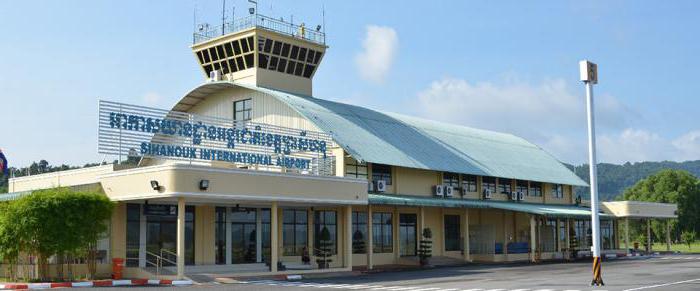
(557, 235)
(274, 241)
(370, 239)
(348, 237)
(465, 235)
(258, 235)
(627, 236)
(143, 224)
(180, 237)
(229, 239)
(533, 240)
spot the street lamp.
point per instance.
(589, 76)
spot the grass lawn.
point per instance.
(694, 248)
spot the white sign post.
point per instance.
(589, 76)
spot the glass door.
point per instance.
(243, 235)
(161, 234)
(407, 234)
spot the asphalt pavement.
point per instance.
(670, 272)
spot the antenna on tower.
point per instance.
(323, 17)
(223, 18)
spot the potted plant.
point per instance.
(426, 245)
(324, 249)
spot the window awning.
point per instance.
(548, 210)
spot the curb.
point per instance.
(100, 283)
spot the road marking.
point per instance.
(662, 285)
(521, 290)
(427, 289)
(477, 289)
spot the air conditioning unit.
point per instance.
(214, 76)
(521, 196)
(380, 186)
(487, 194)
(514, 196)
(439, 190)
(449, 191)
(370, 187)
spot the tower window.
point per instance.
(217, 66)
(207, 69)
(236, 47)
(224, 67)
(262, 60)
(302, 54)
(277, 48)
(317, 57)
(290, 67)
(285, 50)
(281, 65)
(242, 110)
(251, 42)
(309, 71)
(240, 63)
(205, 53)
(268, 45)
(212, 52)
(229, 50)
(244, 46)
(232, 65)
(295, 52)
(249, 60)
(273, 63)
(220, 51)
(310, 56)
(201, 57)
(299, 69)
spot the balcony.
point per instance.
(260, 21)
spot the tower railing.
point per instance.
(262, 21)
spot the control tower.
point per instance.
(261, 51)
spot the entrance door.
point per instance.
(407, 234)
(161, 234)
(243, 235)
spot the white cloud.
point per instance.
(380, 46)
(550, 115)
(151, 98)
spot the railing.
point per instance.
(157, 259)
(262, 21)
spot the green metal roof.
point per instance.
(549, 210)
(393, 139)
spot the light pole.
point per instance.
(589, 76)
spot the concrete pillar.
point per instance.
(648, 235)
(668, 235)
(505, 236)
(533, 240)
(348, 237)
(397, 242)
(310, 229)
(370, 238)
(180, 238)
(557, 236)
(465, 235)
(568, 239)
(274, 234)
(627, 236)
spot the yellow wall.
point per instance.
(204, 235)
(118, 229)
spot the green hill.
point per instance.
(614, 179)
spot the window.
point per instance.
(220, 51)
(249, 59)
(381, 172)
(290, 67)
(521, 186)
(285, 50)
(276, 48)
(236, 47)
(244, 46)
(294, 232)
(504, 186)
(382, 233)
(242, 109)
(452, 235)
(266, 227)
(273, 63)
(355, 169)
(220, 229)
(557, 190)
(243, 235)
(281, 65)
(450, 179)
(268, 45)
(359, 232)
(133, 234)
(295, 52)
(488, 183)
(262, 60)
(469, 183)
(309, 71)
(535, 189)
(325, 219)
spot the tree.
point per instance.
(57, 222)
(669, 186)
(426, 246)
(688, 237)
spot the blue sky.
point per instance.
(507, 66)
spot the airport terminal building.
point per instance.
(251, 173)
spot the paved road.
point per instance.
(676, 272)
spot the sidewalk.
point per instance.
(97, 283)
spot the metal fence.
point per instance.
(261, 21)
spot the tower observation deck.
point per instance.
(261, 51)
